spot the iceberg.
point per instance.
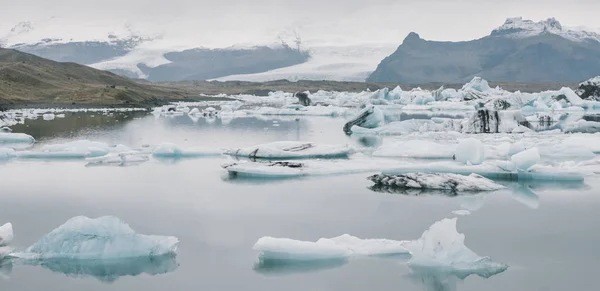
(169, 150)
(80, 149)
(470, 151)
(292, 150)
(452, 183)
(109, 270)
(15, 138)
(6, 237)
(103, 238)
(121, 159)
(340, 247)
(442, 248)
(369, 117)
(526, 159)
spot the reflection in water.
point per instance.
(110, 270)
(5, 268)
(283, 267)
(434, 279)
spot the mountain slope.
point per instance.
(28, 78)
(518, 51)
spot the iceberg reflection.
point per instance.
(109, 270)
(286, 267)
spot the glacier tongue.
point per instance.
(101, 238)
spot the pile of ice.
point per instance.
(79, 149)
(102, 238)
(440, 248)
(340, 247)
(6, 237)
(292, 150)
(453, 183)
(169, 150)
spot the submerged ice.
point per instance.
(101, 238)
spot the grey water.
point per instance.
(546, 232)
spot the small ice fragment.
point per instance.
(48, 116)
(325, 248)
(525, 159)
(102, 238)
(6, 234)
(461, 212)
(471, 151)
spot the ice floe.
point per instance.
(79, 149)
(292, 150)
(120, 159)
(6, 237)
(101, 238)
(461, 212)
(420, 149)
(15, 138)
(169, 150)
(343, 246)
(452, 183)
(441, 248)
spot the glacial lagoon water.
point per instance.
(546, 232)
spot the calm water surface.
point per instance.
(546, 233)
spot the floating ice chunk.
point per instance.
(470, 151)
(6, 234)
(442, 247)
(525, 159)
(60, 115)
(5, 129)
(10, 138)
(453, 183)
(478, 84)
(195, 111)
(169, 150)
(571, 96)
(292, 150)
(516, 148)
(121, 158)
(461, 212)
(80, 149)
(420, 149)
(102, 239)
(326, 249)
(48, 116)
(369, 117)
(7, 153)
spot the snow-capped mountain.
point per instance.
(518, 27)
(518, 51)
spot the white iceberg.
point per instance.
(121, 159)
(6, 237)
(325, 248)
(442, 247)
(526, 159)
(292, 150)
(436, 181)
(13, 138)
(461, 212)
(370, 117)
(470, 151)
(169, 150)
(101, 238)
(79, 149)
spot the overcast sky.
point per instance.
(229, 22)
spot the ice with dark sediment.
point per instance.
(453, 183)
